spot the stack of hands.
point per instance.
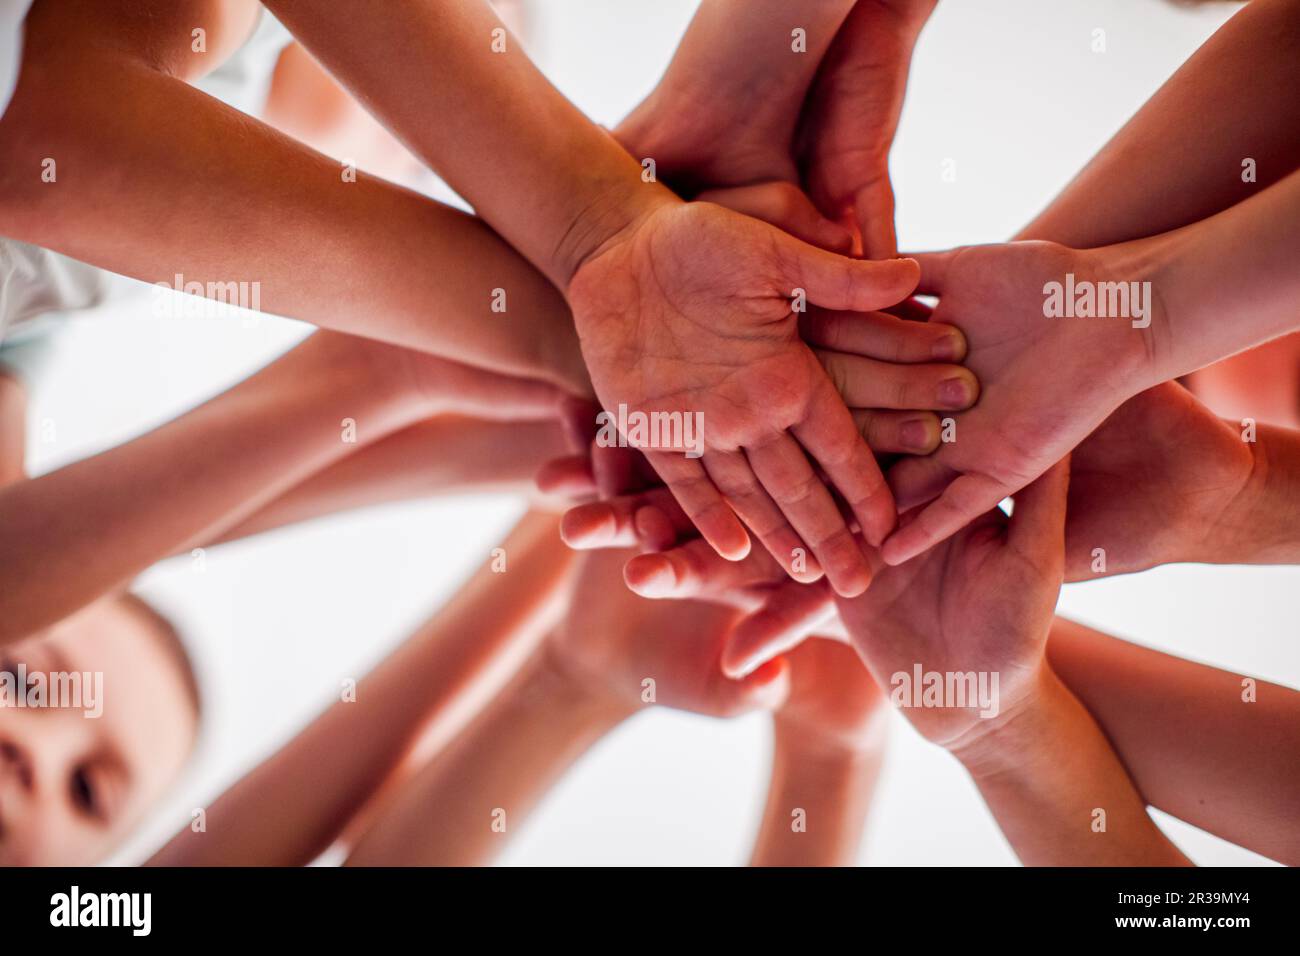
(806, 474)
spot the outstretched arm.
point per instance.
(140, 157)
(1185, 155)
(324, 776)
(1205, 745)
(183, 483)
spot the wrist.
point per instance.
(1261, 522)
(1016, 737)
(557, 679)
(612, 210)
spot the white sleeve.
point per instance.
(12, 13)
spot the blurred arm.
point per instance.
(71, 535)
(463, 806)
(323, 777)
(1195, 746)
(1180, 158)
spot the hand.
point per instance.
(1046, 383)
(852, 113)
(981, 601)
(1157, 483)
(689, 311)
(612, 641)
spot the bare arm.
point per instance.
(1201, 743)
(443, 455)
(462, 807)
(141, 157)
(1181, 157)
(73, 534)
(324, 776)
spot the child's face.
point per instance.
(72, 786)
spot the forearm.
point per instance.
(462, 807)
(1180, 159)
(443, 455)
(557, 186)
(1261, 524)
(322, 778)
(1197, 744)
(817, 802)
(74, 534)
(1239, 263)
(1059, 792)
(141, 157)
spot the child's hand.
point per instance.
(852, 112)
(613, 643)
(1046, 383)
(689, 311)
(1157, 483)
(981, 602)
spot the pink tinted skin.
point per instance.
(73, 787)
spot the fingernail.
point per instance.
(916, 434)
(954, 393)
(950, 348)
(660, 582)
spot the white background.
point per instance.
(1008, 89)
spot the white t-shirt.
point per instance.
(12, 13)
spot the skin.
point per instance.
(726, 113)
(653, 284)
(325, 777)
(242, 451)
(584, 681)
(982, 601)
(1081, 370)
(365, 257)
(71, 788)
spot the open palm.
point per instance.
(690, 311)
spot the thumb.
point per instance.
(934, 270)
(1037, 527)
(837, 282)
(873, 207)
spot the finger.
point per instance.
(934, 271)
(831, 437)
(910, 433)
(790, 479)
(870, 383)
(734, 477)
(578, 416)
(785, 206)
(567, 477)
(614, 469)
(1037, 527)
(912, 310)
(916, 481)
(651, 519)
(835, 282)
(789, 615)
(873, 207)
(880, 335)
(765, 689)
(695, 570)
(702, 503)
(961, 503)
